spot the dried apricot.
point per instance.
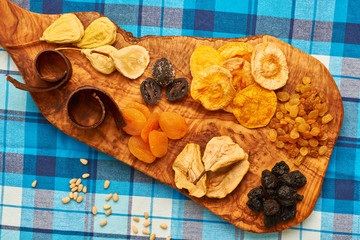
(135, 121)
(158, 142)
(151, 124)
(141, 107)
(173, 124)
(140, 149)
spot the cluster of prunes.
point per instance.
(277, 196)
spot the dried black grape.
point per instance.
(163, 72)
(257, 192)
(271, 207)
(280, 168)
(297, 179)
(150, 91)
(271, 220)
(177, 89)
(288, 213)
(268, 180)
(255, 204)
(287, 195)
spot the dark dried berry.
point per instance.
(271, 192)
(271, 207)
(255, 204)
(284, 180)
(299, 197)
(150, 91)
(257, 192)
(268, 180)
(177, 89)
(288, 213)
(287, 195)
(271, 220)
(163, 72)
(297, 179)
(280, 168)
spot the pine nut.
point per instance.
(34, 183)
(83, 161)
(145, 231)
(106, 184)
(71, 195)
(168, 238)
(106, 206)
(163, 225)
(79, 199)
(78, 182)
(146, 215)
(108, 197)
(108, 212)
(65, 200)
(72, 181)
(74, 189)
(115, 197)
(85, 189)
(147, 223)
(85, 175)
(103, 223)
(136, 219)
(135, 229)
(72, 185)
(80, 188)
(153, 236)
(94, 210)
(75, 194)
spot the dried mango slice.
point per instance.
(65, 29)
(203, 57)
(254, 106)
(213, 88)
(236, 49)
(100, 32)
(100, 62)
(269, 66)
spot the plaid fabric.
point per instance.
(31, 148)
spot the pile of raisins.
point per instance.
(277, 196)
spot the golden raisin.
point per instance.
(280, 131)
(279, 115)
(313, 142)
(313, 114)
(283, 96)
(298, 161)
(294, 134)
(315, 131)
(327, 118)
(173, 124)
(322, 150)
(272, 135)
(304, 151)
(306, 80)
(294, 110)
(279, 144)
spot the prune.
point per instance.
(288, 213)
(297, 179)
(284, 180)
(177, 89)
(268, 180)
(280, 168)
(287, 195)
(271, 220)
(257, 192)
(163, 72)
(271, 207)
(150, 91)
(255, 204)
(271, 192)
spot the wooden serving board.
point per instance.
(19, 26)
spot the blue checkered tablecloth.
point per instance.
(31, 148)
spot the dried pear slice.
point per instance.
(65, 29)
(188, 167)
(221, 152)
(213, 88)
(236, 49)
(254, 106)
(99, 61)
(131, 61)
(224, 181)
(240, 70)
(100, 32)
(269, 66)
(204, 57)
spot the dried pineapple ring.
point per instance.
(240, 70)
(269, 66)
(213, 88)
(236, 49)
(203, 57)
(254, 106)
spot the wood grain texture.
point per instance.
(19, 26)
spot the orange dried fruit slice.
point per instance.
(203, 57)
(140, 149)
(158, 142)
(254, 106)
(135, 121)
(236, 49)
(269, 66)
(151, 124)
(213, 88)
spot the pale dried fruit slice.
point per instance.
(269, 66)
(236, 49)
(213, 88)
(131, 61)
(99, 61)
(203, 57)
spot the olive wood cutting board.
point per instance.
(19, 26)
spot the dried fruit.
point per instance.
(213, 87)
(269, 66)
(131, 61)
(79, 199)
(152, 123)
(272, 135)
(254, 106)
(177, 89)
(135, 120)
(150, 91)
(94, 210)
(158, 142)
(326, 119)
(99, 33)
(236, 49)
(140, 149)
(204, 57)
(240, 70)
(173, 124)
(146, 215)
(100, 62)
(322, 150)
(283, 96)
(163, 72)
(280, 168)
(141, 107)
